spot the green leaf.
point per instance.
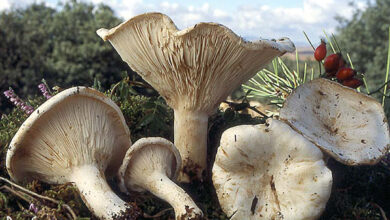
(146, 120)
(149, 105)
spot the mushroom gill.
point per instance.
(193, 69)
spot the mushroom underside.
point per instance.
(69, 135)
(193, 69)
(152, 164)
(78, 136)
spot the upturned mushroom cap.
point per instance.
(151, 164)
(78, 126)
(148, 155)
(77, 136)
(348, 125)
(195, 68)
(270, 172)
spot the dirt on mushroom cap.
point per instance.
(349, 126)
(270, 172)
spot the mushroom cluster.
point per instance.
(77, 136)
(194, 69)
(270, 171)
(276, 171)
(80, 136)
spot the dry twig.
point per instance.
(159, 214)
(67, 207)
(380, 209)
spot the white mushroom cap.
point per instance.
(146, 156)
(270, 172)
(348, 125)
(76, 127)
(150, 164)
(193, 69)
(79, 136)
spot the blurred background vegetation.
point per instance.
(61, 46)
(365, 38)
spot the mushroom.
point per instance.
(193, 69)
(269, 171)
(150, 164)
(77, 136)
(348, 125)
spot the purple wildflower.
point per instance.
(44, 91)
(10, 94)
(33, 208)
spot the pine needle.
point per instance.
(387, 71)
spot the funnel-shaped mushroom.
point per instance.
(193, 69)
(348, 125)
(77, 136)
(270, 172)
(150, 164)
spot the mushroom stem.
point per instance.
(191, 140)
(161, 186)
(96, 193)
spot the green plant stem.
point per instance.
(279, 87)
(364, 78)
(387, 71)
(47, 86)
(330, 41)
(319, 66)
(312, 74)
(379, 88)
(134, 83)
(337, 45)
(297, 59)
(350, 61)
(276, 69)
(307, 38)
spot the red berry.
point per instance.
(345, 73)
(331, 63)
(320, 52)
(352, 83)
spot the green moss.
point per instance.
(147, 117)
(358, 191)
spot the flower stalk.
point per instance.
(10, 94)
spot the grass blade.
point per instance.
(387, 71)
(297, 59)
(307, 38)
(329, 41)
